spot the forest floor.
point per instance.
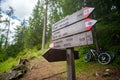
(40, 69)
(43, 70)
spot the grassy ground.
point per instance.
(84, 71)
(80, 65)
(11, 62)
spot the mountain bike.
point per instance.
(103, 57)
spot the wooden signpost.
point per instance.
(73, 30)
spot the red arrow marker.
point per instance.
(89, 23)
(87, 11)
(51, 44)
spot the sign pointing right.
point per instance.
(89, 23)
(70, 19)
(73, 29)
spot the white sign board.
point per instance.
(78, 27)
(72, 41)
(77, 16)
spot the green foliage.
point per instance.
(47, 45)
(109, 36)
(116, 62)
(70, 6)
(33, 35)
(2, 56)
(82, 66)
(26, 54)
(4, 65)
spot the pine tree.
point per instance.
(34, 36)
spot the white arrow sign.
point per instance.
(78, 27)
(72, 41)
(77, 16)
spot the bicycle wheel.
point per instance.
(112, 54)
(104, 58)
(87, 57)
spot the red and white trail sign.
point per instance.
(87, 11)
(77, 16)
(84, 38)
(89, 23)
(73, 30)
(51, 44)
(78, 27)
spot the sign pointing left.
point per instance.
(53, 55)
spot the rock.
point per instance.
(116, 79)
(12, 75)
(107, 70)
(96, 74)
(16, 72)
(107, 73)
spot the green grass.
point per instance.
(7, 65)
(83, 66)
(116, 62)
(93, 66)
(27, 54)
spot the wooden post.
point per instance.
(70, 64)
(96, 39)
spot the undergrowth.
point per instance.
(26, 54)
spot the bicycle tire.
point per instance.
(104, 58)
(87, 57)
(112, 54)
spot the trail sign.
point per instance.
(53, 55)
(73, 30)
(78, 27)
(72, 41)
(77, 16)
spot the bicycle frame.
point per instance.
(93, 52)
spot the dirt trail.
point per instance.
(43, 70)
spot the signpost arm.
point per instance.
(70, 64)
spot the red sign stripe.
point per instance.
(86, 13)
